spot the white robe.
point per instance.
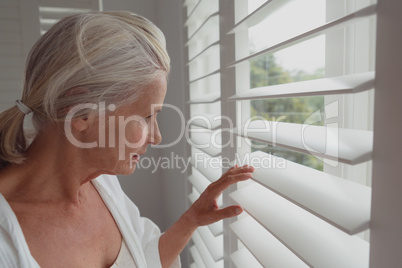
(140, 234)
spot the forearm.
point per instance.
(173, 241)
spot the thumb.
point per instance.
(229, 212)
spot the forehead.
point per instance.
(152, 99)
(155, 92)
(157, 88)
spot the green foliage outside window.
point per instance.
(265, 71)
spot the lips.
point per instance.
(136, 157)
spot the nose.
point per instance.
(154, 135)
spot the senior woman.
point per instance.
(61, 204)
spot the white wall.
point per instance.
(161, 196)
(174, 179)
(18, 32)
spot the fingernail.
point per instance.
(238, 211)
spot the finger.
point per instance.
(242, 169)
(235, 166)
(228, 212)
(220, 185)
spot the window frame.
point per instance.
(384, 194)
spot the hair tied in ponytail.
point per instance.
(28, 128)
(23, 108)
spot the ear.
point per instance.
(79, 123)
(82, 123)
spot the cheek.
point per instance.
(124, 132)
(134, 134)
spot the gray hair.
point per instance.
(114, 56)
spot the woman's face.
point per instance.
(128, 131)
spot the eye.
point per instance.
(148, 117)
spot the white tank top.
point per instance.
(124, 259)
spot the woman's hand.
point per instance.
(205, 210)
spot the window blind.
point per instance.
(204, 79)
(299, 215)
(51, 11)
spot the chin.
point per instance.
(126, 169)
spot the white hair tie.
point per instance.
(27, 125)
(23, 108)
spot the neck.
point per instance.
(54, 171)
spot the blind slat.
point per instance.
(197, 257)
(192, 12)
(196, 194)
(342, 203)
(316, 242)
(207, 98)
(46, 24)
(203, 163)
(268, 250)
(193, 196)
(66, 4)
(57, 13)
(344, 145)
(202, 10)
(216, 228)
(210, 19)
(199, 182)
(215, 44)
(203, 30)
(257, 15)
(365, 12)
(325, 86)
(207, 121)
(204, 253)
(243, 258)
(188, 2)
(205, 76)
(213, 243)
(206, 142)
(211, 151)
